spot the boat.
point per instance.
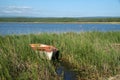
(46, 51)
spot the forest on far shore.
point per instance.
(89, 19)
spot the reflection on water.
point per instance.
(59, 70)
(65, 72)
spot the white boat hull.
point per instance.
(46, 51)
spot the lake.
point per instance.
(27, 28)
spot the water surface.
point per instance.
(27, 28)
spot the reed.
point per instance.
(92, 54)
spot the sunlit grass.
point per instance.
(92, 54)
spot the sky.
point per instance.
(59, 8)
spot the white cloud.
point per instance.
(23, 11)
(16, 9)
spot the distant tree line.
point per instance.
(94, 19)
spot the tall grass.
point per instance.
(91, 54)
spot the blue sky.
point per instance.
(59, 8)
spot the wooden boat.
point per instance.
(46, 51)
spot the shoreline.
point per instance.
(68, 22)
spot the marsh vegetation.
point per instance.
(94, 55)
